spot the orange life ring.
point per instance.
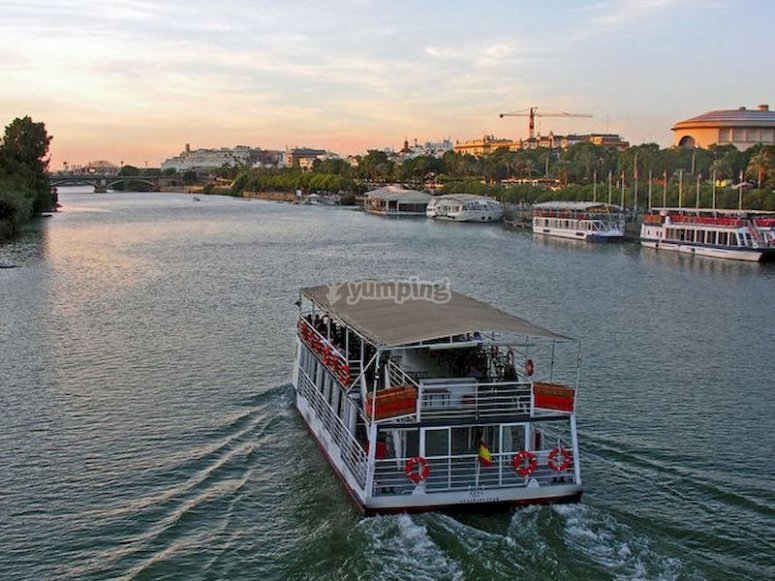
(566, 458)
(529, 367)
(415, 475)
(527, 469)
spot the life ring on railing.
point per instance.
(529, 367)
(519, 459)
(417, 476)
(552, 459)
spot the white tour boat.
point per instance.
(464, 208)
(731, 234)
(588, 221)
(422, 398)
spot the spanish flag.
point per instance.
(485, 458)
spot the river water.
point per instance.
(147, 428)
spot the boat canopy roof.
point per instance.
(391, 313)
(466, 198)
(390, 193)
(714, 211)
(578, 206)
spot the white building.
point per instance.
(204, 159)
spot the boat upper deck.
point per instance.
(395, 313)
(565, 207)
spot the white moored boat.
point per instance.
(423, 398)
(588, 221)
(730, 234)
(464, 208)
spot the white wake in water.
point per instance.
(614, 547)
(402, 549)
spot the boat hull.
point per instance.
(470, 217)
(582, 235)
(743, 254)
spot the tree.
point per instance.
(758, 166)
(23, 157)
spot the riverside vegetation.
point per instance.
(579, 173)
(25, 189)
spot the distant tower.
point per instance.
(188, 148)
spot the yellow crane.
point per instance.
(532, 113)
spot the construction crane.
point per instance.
(533, 113)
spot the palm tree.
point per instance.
(758, 166)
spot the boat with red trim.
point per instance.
(422, 398)
(713, 233)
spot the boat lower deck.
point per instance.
(428, 467)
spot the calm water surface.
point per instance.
(147, 428)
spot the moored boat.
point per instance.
(464, 208)
(422, 398)
(712, 233)
(588, 221)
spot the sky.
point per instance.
(134, 81)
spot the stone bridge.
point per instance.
(103, 182)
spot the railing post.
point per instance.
(575, 447)
(368, 489)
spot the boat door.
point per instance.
(513, 439)
(435, 446)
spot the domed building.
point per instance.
(740, 127)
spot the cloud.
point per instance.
(616, 14)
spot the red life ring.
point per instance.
(529, 367)
(414, 475)
(527, 469)
(566, 458)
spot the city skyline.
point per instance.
(135, 81)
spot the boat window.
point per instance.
(437, 441)
(710, 237)
(722, 238)
(513, 438)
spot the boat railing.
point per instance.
(398, 376)
(764, 222)
(328, 353)
(471, 399)
(719, 221)
(351, 452)
(464, 472)
(653, 219)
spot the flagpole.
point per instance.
(594, 186)
(650, 177)
(609, 187)
(635, 177)
(478, 467)
(680, 187)
(664, 189)
(622, 204)
(697, 202)
(714, 189)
